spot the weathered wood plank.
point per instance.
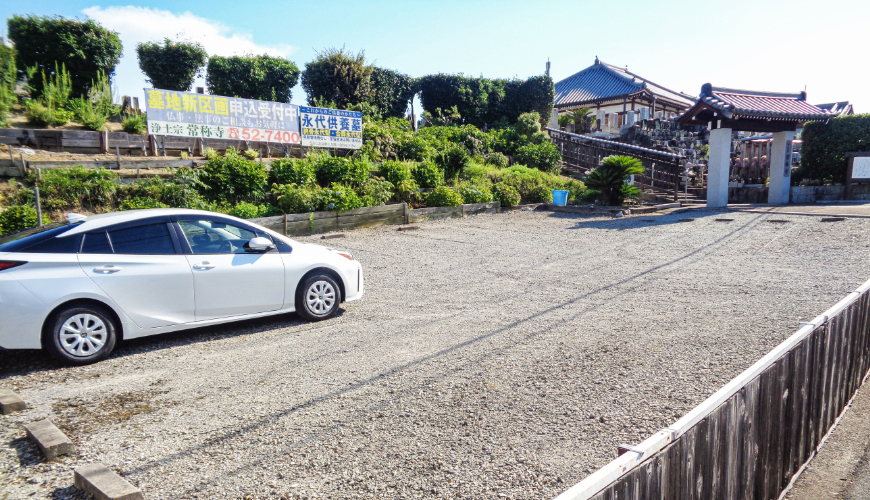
(750, 449)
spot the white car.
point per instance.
(76, 288)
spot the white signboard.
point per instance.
(330, 128)
(217, 117)
(861, 167)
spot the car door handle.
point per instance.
(108, 269)
(204, 265)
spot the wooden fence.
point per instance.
(321, 222)
(90, 142)
(750, 439)
(581, 153)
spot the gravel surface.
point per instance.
(494, 356)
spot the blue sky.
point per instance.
(762, 45)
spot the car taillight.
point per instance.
(8, 264)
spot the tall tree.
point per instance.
(338, 76)
(252, 77)
(391, 92)
(85, 47)
(172, 65)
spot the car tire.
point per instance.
(318, 297)
(81, 335)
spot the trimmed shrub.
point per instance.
(375, 191)
(528, 123)
(141, 203)
(294, 199)
(506, 195)
(173, 65)
(85, 47)
(338, 76)
(396, 171)
(390, 92)
(232, 179)
(18, 217)
(337, 197)
(497, 160)
(262, 77)
(823, 153)
(443, 196)
(543, 156)
(428, 175)
(472, 193)
(134, 124)
(336, 170)
(293, 171)
(245, 210)
(540, 194)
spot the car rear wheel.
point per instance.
(317, 298)
(81, 335)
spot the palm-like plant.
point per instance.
(610, 177)
(583, 119)
(564, 120)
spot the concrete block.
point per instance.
(104, 484)
(51, 441)
(10, 402)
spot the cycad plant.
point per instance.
(610, 177)
(564, 120)
(583, 119)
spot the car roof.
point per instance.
(98, 221)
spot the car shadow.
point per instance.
(23, 362)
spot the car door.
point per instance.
(229, 279)
(141, 268)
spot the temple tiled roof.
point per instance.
(602, 82)
(735, 104)
(837, 108)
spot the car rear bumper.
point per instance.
(21, 316)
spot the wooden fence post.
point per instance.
(407, 213)
(285, 224)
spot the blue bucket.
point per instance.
(560, 197)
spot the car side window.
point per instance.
(151, 239)
(214, 237)
(96, 243)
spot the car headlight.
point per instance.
(346, 255)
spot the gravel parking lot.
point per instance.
(494, 356)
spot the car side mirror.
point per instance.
(260, 244)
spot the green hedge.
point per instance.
(391, 92)
(823, 154)
(85, 47)
(172, 65)
(262, 77)
(482, 101)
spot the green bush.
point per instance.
(452, 161)
(337, 170)
(338, 76)
(526, 180)
(407, 191)
(8, 78)
(823, 153)
(293, 171)
(66, 188)
(590, 196)
(575, 189)
(84, 47)
(141, 203)
(540, 194)
(48, 110)
(443, 196)
(173, 65)
(610, 177)
(93, 111)
(262, 77)
(251, 154)
(294, 199)
(543, 156)
(245, 210)
(396, 171)
(472, 193)
(375, 191)
(134, 124)
(232, 179)
(390, 92)
(18, 217)
(528, 123)
(210, 153)
(505, 194)
(413, 148)
(497, 160)
(428, 175)
(337, 197)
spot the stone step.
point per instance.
(10, 402)
(104, 484)
(51, 441)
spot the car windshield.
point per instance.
(33, 235)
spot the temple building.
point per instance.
(618, 97)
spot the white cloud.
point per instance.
(142, 24)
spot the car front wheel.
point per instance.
(317, 298)
(81, 335)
